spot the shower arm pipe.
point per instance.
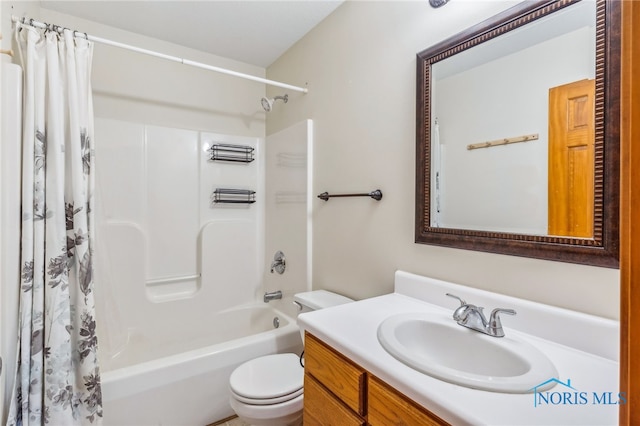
(32, 23)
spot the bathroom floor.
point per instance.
(234, 421)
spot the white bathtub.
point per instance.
(187, 383)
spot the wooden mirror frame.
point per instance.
(602, 250)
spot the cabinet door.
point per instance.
(387, 406)
(321, 408)
(335, 372)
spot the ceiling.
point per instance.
(252, 31)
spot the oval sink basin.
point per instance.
(436, 345)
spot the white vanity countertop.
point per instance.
(352, 330)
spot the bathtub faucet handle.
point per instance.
(279, 263)
(272, 295)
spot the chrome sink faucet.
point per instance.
(471, 316)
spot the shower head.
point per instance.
(267, 104)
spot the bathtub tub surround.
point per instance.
(174, 342)
(145, 384)
(178, 303)
(268, 390)
(582, 390)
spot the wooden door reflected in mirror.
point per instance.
(571, 159)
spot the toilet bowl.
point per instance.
(268, 390)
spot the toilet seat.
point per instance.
(267, 401)
(267, 380)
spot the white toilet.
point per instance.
(267, 391)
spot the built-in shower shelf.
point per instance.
(233, 196)
(231, 153)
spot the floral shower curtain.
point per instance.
(57, 378)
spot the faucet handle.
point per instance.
(461, 300)
(279, 263)
(494, 321)
(462, 312)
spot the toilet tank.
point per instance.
(318, 299)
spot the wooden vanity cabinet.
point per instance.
(334, 387)
(387, 406)
(339, 392)
(321, 407)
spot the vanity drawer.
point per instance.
(322, 408)
(387, 406)
(339, 375)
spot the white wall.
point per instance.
(361, 71)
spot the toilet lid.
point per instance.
(268, 377)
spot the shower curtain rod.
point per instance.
(24, 22)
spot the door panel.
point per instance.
(571, 159)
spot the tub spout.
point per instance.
(273, 295)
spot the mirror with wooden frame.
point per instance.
(518, 134)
